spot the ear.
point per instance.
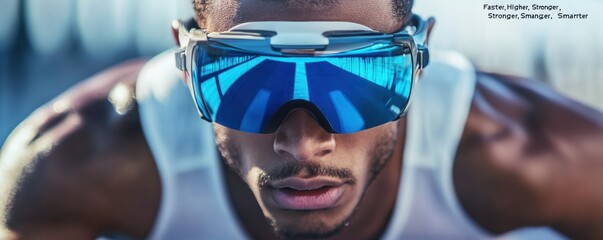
(430, 24)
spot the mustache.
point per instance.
(310, 169)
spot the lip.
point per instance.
(307, 194)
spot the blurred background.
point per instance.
(46, 46)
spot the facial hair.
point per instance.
(380, 154)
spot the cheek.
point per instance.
(370, 149)
(257, 154)
(353, 154)
(243, 151)
(366, 141)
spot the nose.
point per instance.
(301, 137)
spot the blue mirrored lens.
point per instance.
(346, 93)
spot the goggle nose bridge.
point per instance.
(286, 109)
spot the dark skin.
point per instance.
(100, 176)
(86, 171)
(528, 156)
(539, 156)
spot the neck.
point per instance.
(369, 222)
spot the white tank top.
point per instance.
(194, 201)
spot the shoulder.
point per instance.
(529, 156)
(81, 159)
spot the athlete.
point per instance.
(307, 100)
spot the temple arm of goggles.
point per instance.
(286, 38)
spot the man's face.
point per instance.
(307, 181)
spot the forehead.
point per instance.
(376, 14)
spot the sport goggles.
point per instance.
(348, 76)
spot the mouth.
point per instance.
(307, 194)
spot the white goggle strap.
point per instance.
(186, 39)
(421, 36)
(182, 38)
